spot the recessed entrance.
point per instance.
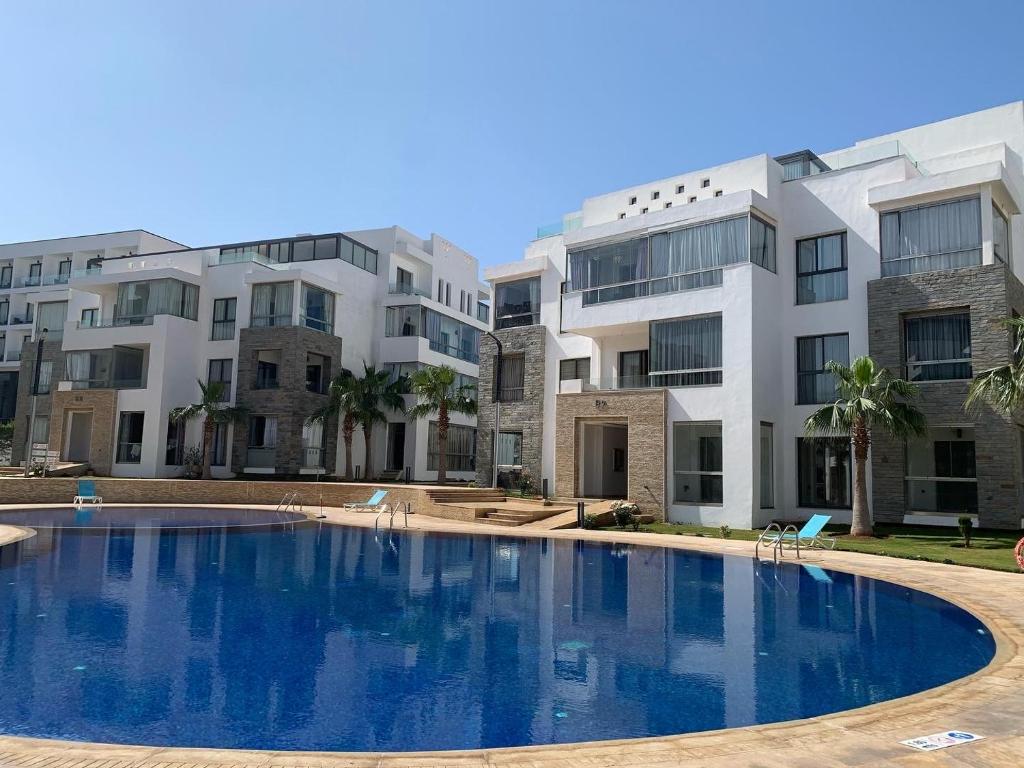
(603, 448)
(79, 435)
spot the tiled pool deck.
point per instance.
(990, 702)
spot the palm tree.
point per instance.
(869, 398)
(213, 411)
(374, 392)
(1002, 387)
(436, 392)
(341, 401)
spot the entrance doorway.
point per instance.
(79, 436)
(603, 455)
(396, 446)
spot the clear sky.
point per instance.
(218, 121)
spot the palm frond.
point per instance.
(1001, 387)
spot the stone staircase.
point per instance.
(490, 505)
(461, 495)
(516, 512)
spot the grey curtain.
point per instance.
(935, 339)
(685, 345)
(932, 237)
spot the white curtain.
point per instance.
(51, 316)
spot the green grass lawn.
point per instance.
(989, 549)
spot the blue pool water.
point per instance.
(309, 636)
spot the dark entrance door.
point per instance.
(396, 446)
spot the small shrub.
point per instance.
(590, 522)
(525, 484)
(725, 530)
(626, 515)
(966, 525)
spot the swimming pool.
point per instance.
(319, 637)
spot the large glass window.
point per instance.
(931, 237)
(5, 310)
(174, 451)
(824, 472)
(517, 303)
(268, 368)
(510, 449)
(317, 309)
(686, 352)
(513, 378)
(814, 384)
(51, 317)
(312, 444)
(262, 442)
(683, 259)
(129, 437)
(224, 319)
(1000, 236)
(574, 368)
(767, 465)
(41, 431)
(445, 334)
(220, 445)
(45, 377)
(941, 472)
(272, 304)
(461, 449)
(634, 367)
(220, 372)
(318, 373)
(938, 347)
(138, 302)
(697, 462)
(6, 272)
(821, 269)
(116, 368)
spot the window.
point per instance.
(445, 334)
(272, 305)
(1000, 236)
(117, 368)
(574, 368)
(512, 383)
(317, 309)
(823, 472)
(64, 271)
(814, 384)
(938, 347)
(697, 462)
(447, 294)
(318, 372)
(461, 448)
(510, 449)
(403, 281)
(325, 248)
(686, 352)
(89, 318)
(633, 369)
(220, 371)
(223, 319)
(139, 301)
(643, 210)
(129, 437)
(632, 200)
(704, 183)
(268, 363)
(762, 243)
(931, 237)
(8, 390)
(718, 193)
(312, 444)
(174, 451)
(440, 291)
(220, 446)
(693, 199)
(517, 303)
(483, 312)
(5, 275)
(35, 271)
(302, 250)
(941, 472)
(469, 303)
(821, 269)
(51, 317)
(462, 301)
(262, 442)
(680, 188)
(767, 466)
(41, 430)
(45, 377)
(622, 215)
(5, 309)
(668, 204)
(655, 195)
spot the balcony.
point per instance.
(115, 322)
(106, 383)
(312, 458)
(404, 289)
(703, 377)
(287, 321)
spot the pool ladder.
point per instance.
(403, 507)
(291, 501)
(777, 544)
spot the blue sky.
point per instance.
(214, 122)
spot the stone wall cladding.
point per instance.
(991, 292)
(644, 414)
(291, 402)
(114, 490)
(51, 352)
(103, 405)
(527, 415)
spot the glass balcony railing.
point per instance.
(404, 289)
(261, 458)
(286, 321)
(696, 378)
(13, 355)
(242, 257)
(79, 274)
(312, 458)
(116, 322)
(107, 383)
(942, 495)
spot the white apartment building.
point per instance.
(667, 341)
(135, 326)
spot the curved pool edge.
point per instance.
(12, 533)
(873, 730)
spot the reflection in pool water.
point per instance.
(311, 636)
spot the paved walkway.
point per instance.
(990, 702)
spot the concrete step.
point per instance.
(507, 523)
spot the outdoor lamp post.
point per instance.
(35, 395)
(497, 408)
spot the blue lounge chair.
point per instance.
(369, 505)
(809, 536)
(87, 493)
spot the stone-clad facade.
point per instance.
(991, 293)
(291, 402)
(51, 353)
(527, 415)
(102, 405)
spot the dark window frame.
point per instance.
(831, 270)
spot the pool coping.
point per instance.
(989, 702)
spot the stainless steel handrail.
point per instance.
(757, 545)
